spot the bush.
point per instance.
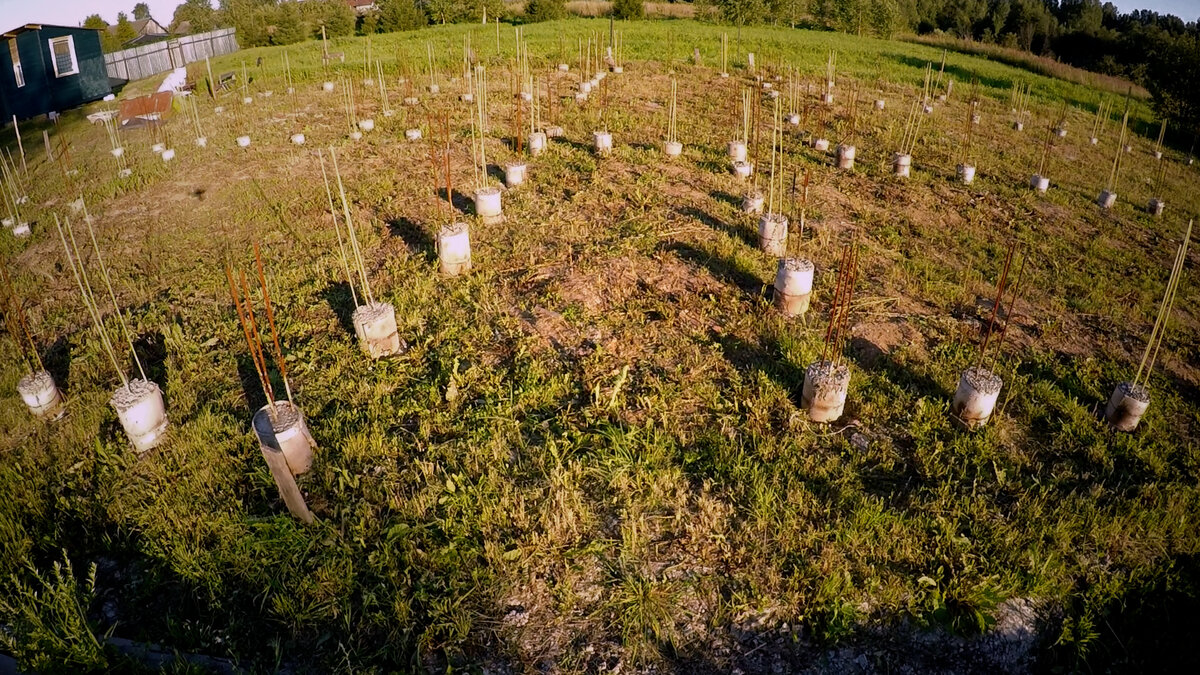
(545, 10)
(628, 9)
(397, 15)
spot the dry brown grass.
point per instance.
(669, 10)
(1039, 64)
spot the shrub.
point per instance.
(545, 10)
(628, 9)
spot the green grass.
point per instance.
(593, 450)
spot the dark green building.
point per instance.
(49, 69)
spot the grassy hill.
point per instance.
(592, 453)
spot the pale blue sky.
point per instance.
(72, 12)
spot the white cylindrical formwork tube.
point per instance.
(8, 222)
(742, 170)
(168, 154)
(1107, 199)
(1157, 154)
(1039, 183)
(412, 134)
(367, 124)
(793, 119)
(554, 131)
(298, 139)
(902, 165)
(537, 143)
(1018, 126)
(966, 173)
(219, 109)
(752, 203)
(767, 85)
(978, 389)
(736, 151)
(247, 100)
(526, 96)
(724, 75)
(1093, 140)
(355, 135)
(793, 286)
(487, 205)
(202, 141)
(976, 119)
(563, 67)
(672, 148)
(1129, 148)
(618, 69)
(327, 86)
(22, 230)
(1061, 132)
(125, 173)
(1126, 406)
(580, 96)
(375, 325)
(827, 98)
(514, 174)
(585, 87)
(820, 144)
(411, 100)
(287, 447)
(434, 89)
(928, 109)
(824, 392)
(243, 141)
(1156, 206)
(602, 142)
(157, 148)
(467, 97)
(880, 104)
(117, 152)
(40, 393)
(772, 234)
(454, 249)
(845, 156)
(142, 413)
(600, 75)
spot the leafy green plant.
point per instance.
(46, 614)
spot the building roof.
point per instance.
(37, 26)
(141, 27)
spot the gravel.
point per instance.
(125, 398)
(1136, 392)
(35, 383)
(827, 373)
(983, 380)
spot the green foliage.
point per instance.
(397, 15)
(141, 11)
(95, 21)
(628, 9)
(125, 30)
(545, 10)
(368, 24)
(334, 15)
(290, 26)
(199, 13)
(45, 619)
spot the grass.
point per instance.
(592, 452)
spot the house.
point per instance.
(49, 69)
(148, 30)
(361, 7)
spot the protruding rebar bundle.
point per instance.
(1146, 366)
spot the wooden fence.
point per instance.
(159, 57)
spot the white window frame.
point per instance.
(70, 40)
(18, 71)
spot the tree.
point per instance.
(199, 14)
(397, 15)
(442, 11)
(628, 9)
(125, 30)
(141, 11)
(290, 27)
(96, 22)
(545, 10)
(369, 23)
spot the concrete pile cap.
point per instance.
(826, 373)
(983, 380)
(125, 398)
(797, 264)
(35, 382)
(372, 312)
(1136, 392)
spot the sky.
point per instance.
(72, 12)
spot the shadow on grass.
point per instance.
(742, 234)
(459, 200)
(56, 359)
(415, 236)
(726, 270)
(341, 301)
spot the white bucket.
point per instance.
(1107, 199)
(737, 151)
(537, 143)
(514, 174)
(978, 389)
(487, 205)
(287, 434)
(772, 234)
(454, 249)
(793, 286)
(375, 325)
(902, 165)
(845, 156)
(142, 413)
(602, 142)
(672, 149)
(243, 141)
(824, 391)
(41, 394)
(1126, 406)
